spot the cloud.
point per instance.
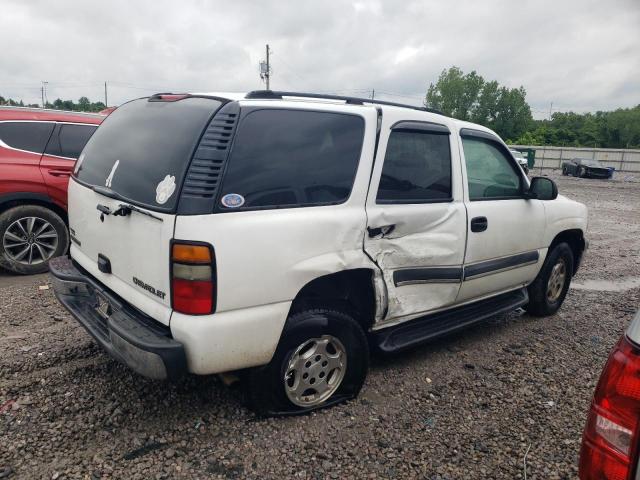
(578, 54)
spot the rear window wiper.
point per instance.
(107, 192)
(123, 210)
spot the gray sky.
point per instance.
(582, 55)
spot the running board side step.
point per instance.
(414, 332)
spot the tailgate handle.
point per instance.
(104, 264)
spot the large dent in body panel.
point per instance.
(413, 298)
(417, 240)
(432, 242)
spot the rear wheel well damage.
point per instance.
(575, 239)
(40, 201)
(351, 291)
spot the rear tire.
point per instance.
(303, 374)
(30, 236)
(548, 290)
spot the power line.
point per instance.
(289, 68)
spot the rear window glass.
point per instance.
(141, 151)
(29, 136)
(292, 158)
(70, 140)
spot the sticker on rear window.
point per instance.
(232, 200)
(110, 177)
(165, 189)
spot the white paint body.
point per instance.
(265, 257)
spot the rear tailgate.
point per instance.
(138, 159)
(136, 247)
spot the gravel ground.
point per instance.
(473, 405)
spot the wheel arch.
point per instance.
(352, 290)
(27, 198)
(575, 239)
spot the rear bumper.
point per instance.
(125, 333)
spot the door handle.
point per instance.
(60, 173)
(383, 230)
(479, 224)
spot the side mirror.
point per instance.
(543, 188)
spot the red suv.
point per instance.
(38, 150)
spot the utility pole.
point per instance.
(45, 99)
(268, 67)
(42, 94)
(550, 108)
(373, 94)
(105, 95)
(265, 69)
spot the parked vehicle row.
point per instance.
(38, 150)
(285, 235)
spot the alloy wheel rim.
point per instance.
(555, 285)
(30, 241)
(315, 371)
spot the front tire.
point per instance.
(322, 359)
(549, 289)
(30, 236)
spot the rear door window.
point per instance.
(292, 158)
(69, 140)
(142, 150)
(417, 168)
(29, 136)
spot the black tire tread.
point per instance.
(538, 305)
(260, 396)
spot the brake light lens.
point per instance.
(610, 439)
(168, 97)
(193, 276)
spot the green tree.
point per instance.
(616, 129)
(84, 104)
(470, 97)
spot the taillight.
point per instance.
(193, 278)
(610, 437)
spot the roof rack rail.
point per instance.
(273, 94)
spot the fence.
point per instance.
(552, 157)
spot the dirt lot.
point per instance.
(473, 405)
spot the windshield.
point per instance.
(590, 163)
(142, 150)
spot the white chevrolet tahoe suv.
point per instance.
(283, 235)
